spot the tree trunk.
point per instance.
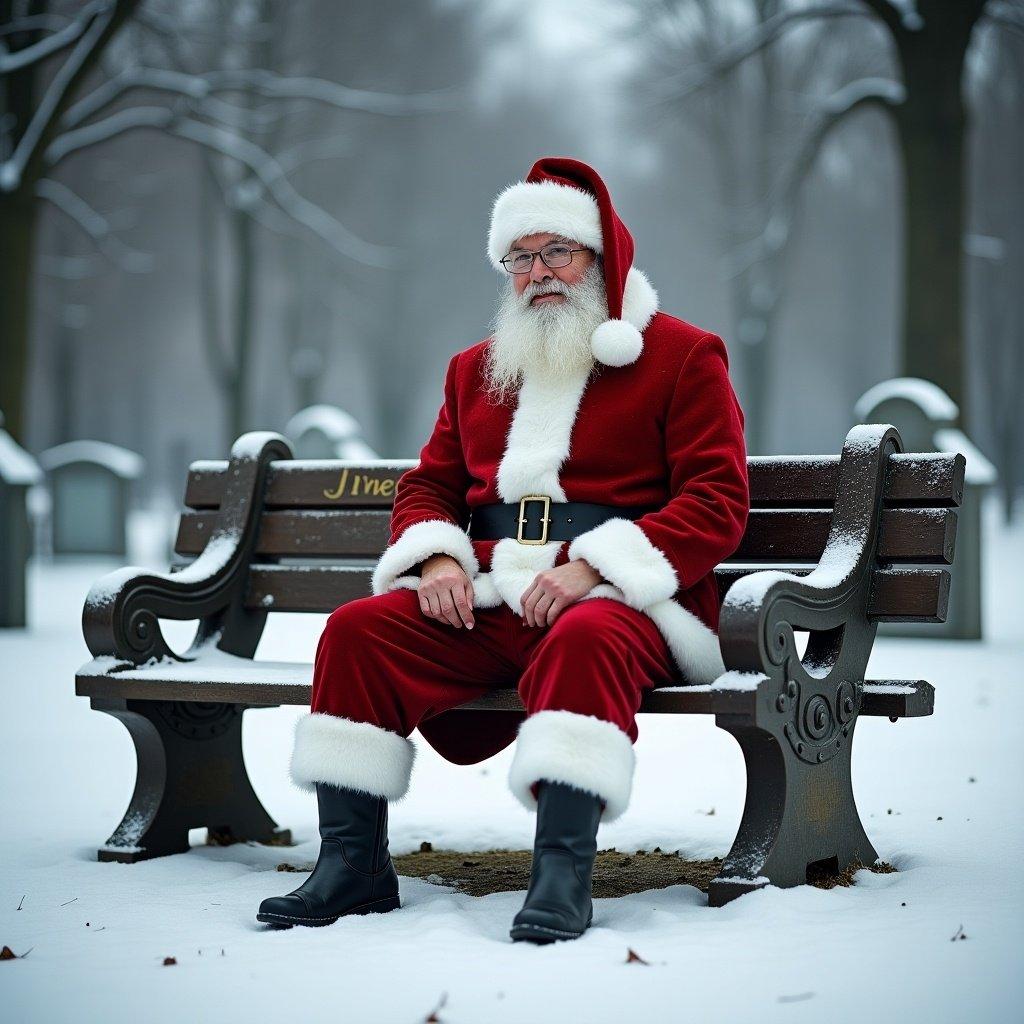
(932, 126)
(18, 214)
(19, 94)
(242, 323)
(752, 348)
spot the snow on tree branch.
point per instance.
(267, 170)
(263, 83)
(59, 40)
(270, 173)
(34, 23)
(99, 131)
(64, 79)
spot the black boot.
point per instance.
(354, 873)
(558, 903)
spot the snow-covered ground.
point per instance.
(941, 798)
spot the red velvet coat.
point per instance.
(666, 429)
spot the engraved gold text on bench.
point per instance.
(361, 484)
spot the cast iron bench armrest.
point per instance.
(122, 612)
(761, 610)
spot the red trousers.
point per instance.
(381, 660)
(382, 668)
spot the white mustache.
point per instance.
(532, 290)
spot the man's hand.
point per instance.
(446, 592)
(555, 589)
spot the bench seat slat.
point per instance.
(786, 535)
(775, 482)
(223, 678)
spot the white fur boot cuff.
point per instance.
(579, 750)
(357, 755)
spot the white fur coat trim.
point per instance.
(694, 647)
(537, 445)
(357, 755)
(578, 750)
(623, 554)
(420, 541)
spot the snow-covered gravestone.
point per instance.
(90, 485)
(327, 432)
(927, 419)
(18, 472)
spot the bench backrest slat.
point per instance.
(897, 595)
(316, 512)
(772, 535)
(913, 480)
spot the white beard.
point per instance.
(547, 342)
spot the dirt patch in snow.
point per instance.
(615, 873)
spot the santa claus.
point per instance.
(586, 474)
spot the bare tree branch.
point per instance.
(95, 225)
(866, 92)
(34, 23)
(307, 151)
(265, 168)
(683, 83)
(83, 55)
(59, 40)
(272, 176)
(117, 124)
(264, 83)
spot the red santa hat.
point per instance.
(567, 197)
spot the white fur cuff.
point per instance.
(420, 541)
(356, 755)
(577, 750)
(622, 553)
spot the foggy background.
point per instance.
(177, 301)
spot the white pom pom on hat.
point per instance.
(567, 197)
(617, 343)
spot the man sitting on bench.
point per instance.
(594, 446)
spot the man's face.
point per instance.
(545, 318)
(541, 275)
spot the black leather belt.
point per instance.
(536, 519)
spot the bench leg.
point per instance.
(190, 774)
(796, 815)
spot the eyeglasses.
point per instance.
(554, 254)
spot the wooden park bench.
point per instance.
(834, 545)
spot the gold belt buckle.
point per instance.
(544, 520)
